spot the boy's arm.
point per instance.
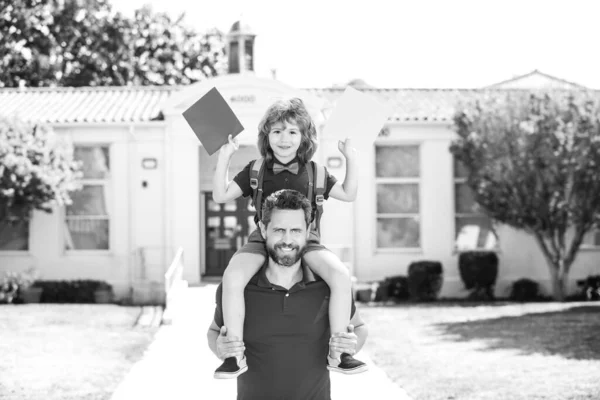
(347, 190)
(350, 342)
(221, 345)
(225, 190)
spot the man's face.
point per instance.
(285, 236)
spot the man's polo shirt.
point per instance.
(286, 334)
(284, 180)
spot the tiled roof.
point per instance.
(88, 104)
(144, 103)
(418, 104)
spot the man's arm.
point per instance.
(223, 346)
(360, 329)
(352, 341)
(212, 335)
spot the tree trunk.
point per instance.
(559, 280)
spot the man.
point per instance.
(287, 326)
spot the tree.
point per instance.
(37, 170)
(533, 162)
(84, 43)
(166, 52)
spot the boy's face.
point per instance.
(284, 139)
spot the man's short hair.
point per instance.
(286, 199)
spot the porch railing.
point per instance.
(174, 286)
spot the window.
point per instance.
(14, 234)
(474, 229)
(592, 239)
(87, 221)
(397, 173)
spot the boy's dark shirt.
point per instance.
(286, 339)
(283, 180)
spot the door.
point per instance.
(228, 226)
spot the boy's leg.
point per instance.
(242, 267)
(335, 273)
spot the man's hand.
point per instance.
(346, 149)
(229, 148)
(342, 342)
(229, 346)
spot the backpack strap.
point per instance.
(319, 188)
(257, 171)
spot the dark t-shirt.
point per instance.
(283, 180)
(286, 334)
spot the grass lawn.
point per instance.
(67, 351)
(496, 351)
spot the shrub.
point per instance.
(76, 291)
(590, 287)
(14, 282)
(381, 291)
(425, 280)
(478, 271)
(525, 290)
(397, 287)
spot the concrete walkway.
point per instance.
(179, 365)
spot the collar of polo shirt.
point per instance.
(262, 281)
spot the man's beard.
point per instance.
(285, 259)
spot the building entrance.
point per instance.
(228, 226)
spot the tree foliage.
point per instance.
(37, 170)
(85, 43)
(533, 162)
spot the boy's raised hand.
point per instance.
(229, 148)
(346, 149)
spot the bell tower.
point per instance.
(240, 47)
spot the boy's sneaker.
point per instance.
(346, 364)
(231, 368)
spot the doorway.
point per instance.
(228, 226)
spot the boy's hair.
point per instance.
(293, 111)
(286, 199)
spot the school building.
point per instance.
(148, 185)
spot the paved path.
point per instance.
(179, 365)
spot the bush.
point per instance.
(590, 287)
(425, 280)
(76, 291)
(478, 271)
(525, 290)
(391, 288)
(13, 283)
(397, 287)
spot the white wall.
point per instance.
(136, 214)
(519, 254)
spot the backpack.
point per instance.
(315, 192)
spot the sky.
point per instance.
(406, 44)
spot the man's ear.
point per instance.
(263, 229)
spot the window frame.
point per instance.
(590, 246)
(457, 180)
(107, 184)
(20, 252)
(398, 180)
